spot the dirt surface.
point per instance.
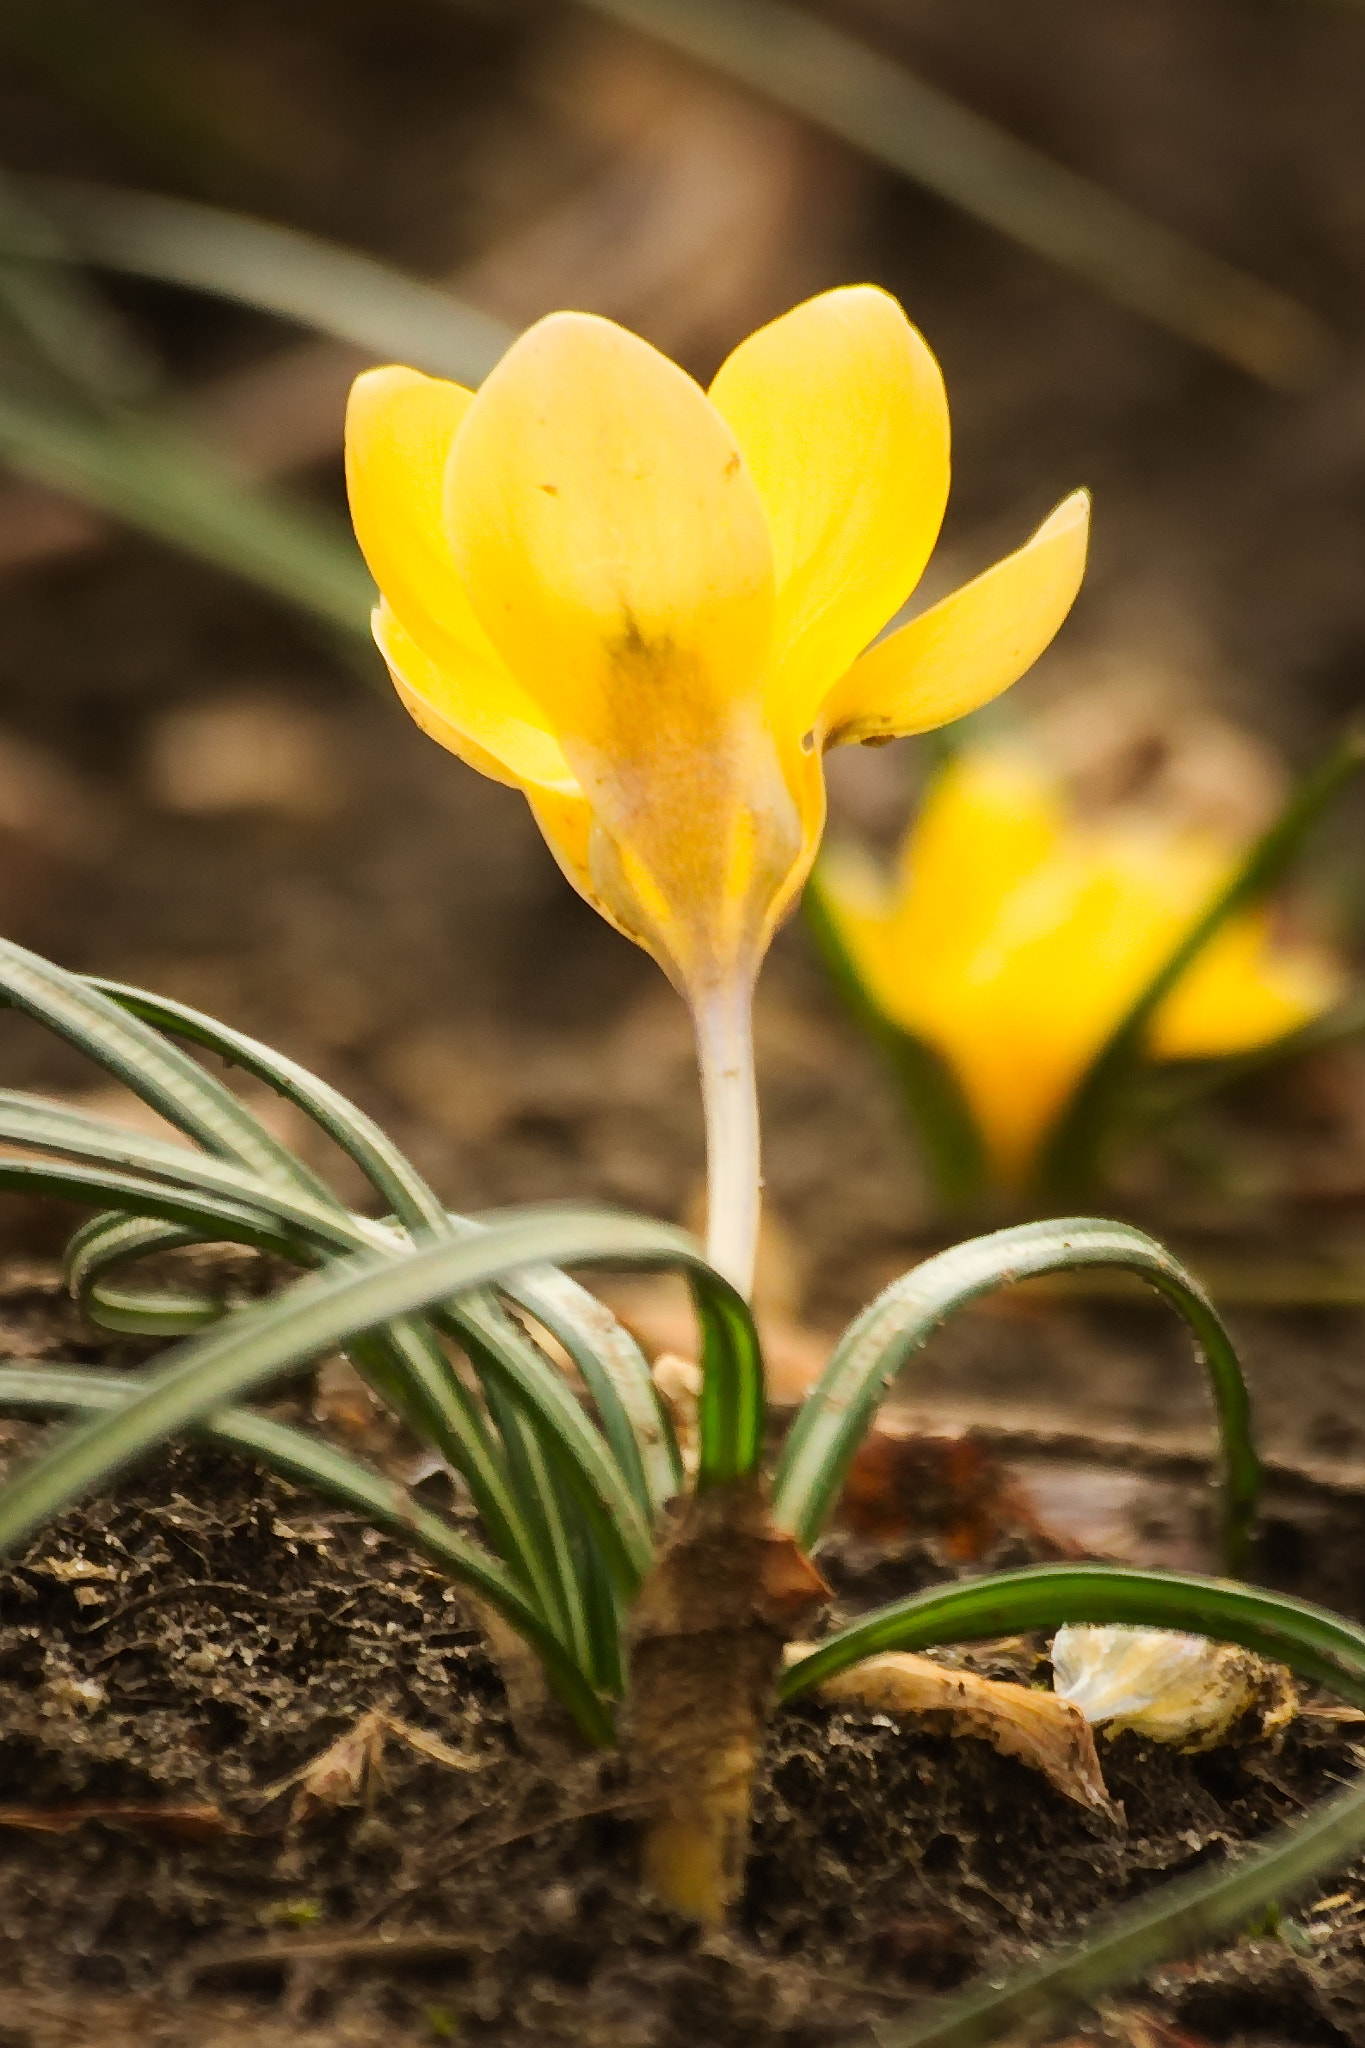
(171, 1659)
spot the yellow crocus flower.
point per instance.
(1015, 937)
(650, 607)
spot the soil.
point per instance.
(391, 919)
(172, 1658)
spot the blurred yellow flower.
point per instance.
(1015, 937)
(650, 608)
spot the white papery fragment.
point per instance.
(1175, 1688)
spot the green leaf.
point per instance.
(878, 1344)
(160, 1073)
(1317, 1644)
(389, 1172)
(259, 1344)
(348, 1483)
(64, 323)
(632, 1416)
(949, 1135)
(105, 1242)
(1073, 1156)
(212, 1218)
(1180, 1917)
(610, 1361)
(279, 270)
(56, 1127)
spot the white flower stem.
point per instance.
(723, 1021)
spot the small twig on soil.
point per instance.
(328, 1948)
(290, 1603)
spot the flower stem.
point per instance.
(723, 1022)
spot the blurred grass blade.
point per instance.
(1177, 1920)
(878, 1344)
(63, 320)
(1317, 1644)
(1073, 1156)
(342, 1480)
(949, 1136)
(824, 75)
(148, 474)
(276, 269)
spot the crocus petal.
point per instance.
(601, 516)
(1244, 991)
(614, 545)
(399, 430)
(470, 703)
(971, 646)
(840, 412)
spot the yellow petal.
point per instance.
(1244, 991)
(969, 647)
(615, 548)
(399, 430)
(471, 704)
(602, 519)
(840, 412)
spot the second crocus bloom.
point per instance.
(1014, 935)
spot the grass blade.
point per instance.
(949, 1136)
(1074, 1152)
(1317, 1644)
(389, 1172)
(892, 1328)
(213, 1219)
(163, 1076)
(259, 1344)
(278, 270)
(634, 1419)
(54, 1127)
(348, 1483)
(618, 1378)
(147, 473)
(105, 1242)
(64, 323)
(825, 76)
